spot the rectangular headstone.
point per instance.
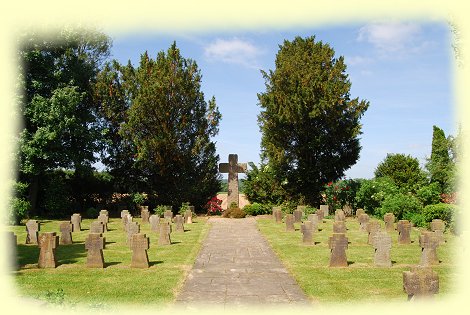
(338, 243)
(382, 243)
(65, 228)
(94, 245)
(420, 282)
(32, 230)
(48, 242)
(363, 220)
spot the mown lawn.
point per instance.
(117, 283)
(361, 281)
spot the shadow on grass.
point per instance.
(111, 263)
(154, 263)
(350, 263)
(175, 242)
(65, 254)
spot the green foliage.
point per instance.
(160, 210)
(55, 197)
(261, 185)
(417, 219)
(92, 213)
(429, 194)
(257, 209)
(401, 205)
(440, 166)
(161, 124)
(19, 206)
(442, 211)
(403, 170)
(341, 193)
(309, 123)
(56, 297)
(184, 207)
(372, 193)
(61, 128)
(234, 212)
(138, 198)
(233, 205)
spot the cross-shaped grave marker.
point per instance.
(232, 168)
(338, 243)
(47, 242)
(139, 246)
(94, 244)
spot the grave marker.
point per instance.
(339, 227)
(382, 243)
(97, 227)
(179, 223)
(373, 227)
(94, 244)
(65, 228)
(290, 223)
(298, 213)
(168, 215)
(320, 215)
(438, 226)
(32, 230)
(76, 220)
(132, 228)
(154, 221)
(232, 168)
(326, 210)
(307, 232)
(363, 220)
(165, 230)
(420, 282)
(103, 218)
(429, 243)
(314, 219)
(48, 242)
(389, 219)
(106, 213)
(188, 215)
(338, 243)
(139, 246)
(277, 214)
(359, 212)
(145, 214)
(404, 229)
(339, 215)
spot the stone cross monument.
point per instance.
(232, 168)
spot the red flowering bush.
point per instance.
(213, 206)
(340, 193)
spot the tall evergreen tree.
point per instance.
(164, 126)
(440, 165)
(309, 123)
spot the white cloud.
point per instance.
(390, 38)
(357, 60)
(235, 51)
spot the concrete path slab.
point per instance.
(237, 267)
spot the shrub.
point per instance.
(159, 210)
(92, 213)
(234, 213)
(56, 198)
(19, 205)
(184, 207)
(257, 209)
(441, 211)
(429, 194)
(213, 206)
(341, 193)
(417, 219)
(400, 205)
(138, 198)
(372, 193)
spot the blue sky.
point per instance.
(404, 69)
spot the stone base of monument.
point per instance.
(242, 200)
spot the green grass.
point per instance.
(361, 281)
(117, 282)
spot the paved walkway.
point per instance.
(237, 267)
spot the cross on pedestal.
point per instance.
(232, 168)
